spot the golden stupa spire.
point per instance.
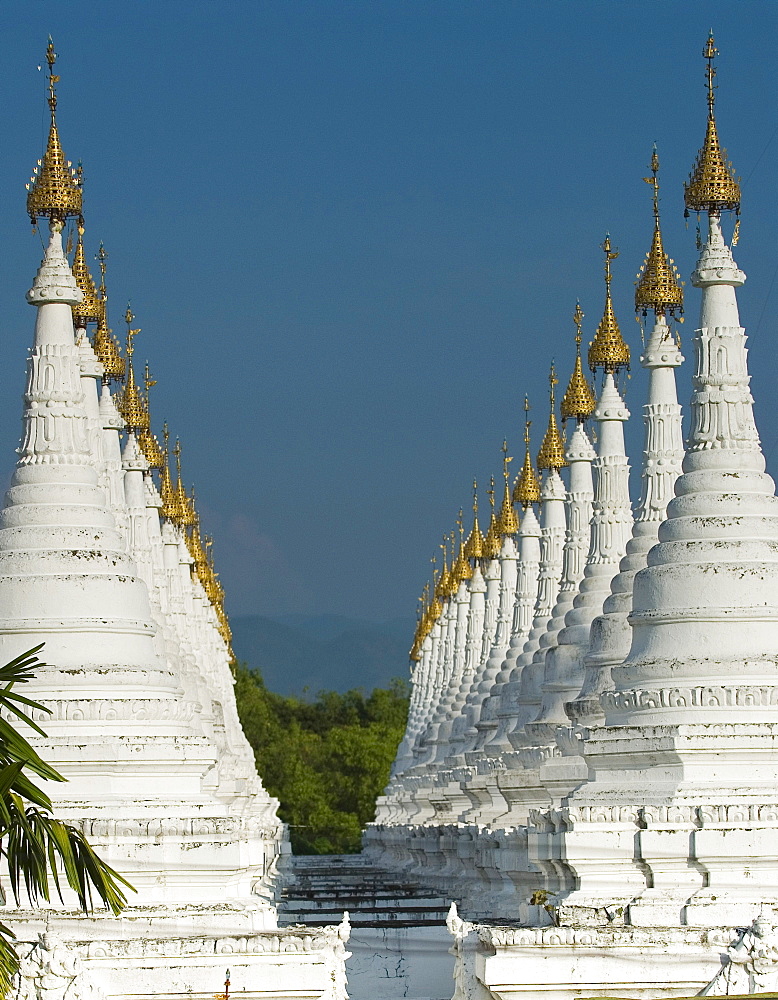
(194, 544)
(441, 590)
(421, 624)
(212, 588)
(508, 521)
(527, 488)
(130, 403)
(148, 442)
(712, 185)
(474, 546)
(185, 512)
(434, 607)
(106, 346)
(54, 191)
(608, 350)
(215, 594)
(166, 490)
(461, 570)
(88, 310)
(658, 285)
(552, 450)
(578, 401)
(492, 539)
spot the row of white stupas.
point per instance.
(590, 765)
(106, 567)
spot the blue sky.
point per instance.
(354, 233)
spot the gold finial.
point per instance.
(212, 586)
(168, 494)
(130, 403)
(88, 309)
(492, 539)
(101, 257)
(712, 185)
(658, 285)
(432, 609)
(194, 544)
(54, 191)
(552, 450)
(435, 609)
(508, 521)
(215, 594)
(444, 580)
(527, 488)
(105, 345)
(184, 508)
(608, 350)
(148, 442)
(578, 401)
(462, 570)
(474, 546)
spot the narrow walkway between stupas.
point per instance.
(321, 887)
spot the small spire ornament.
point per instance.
(608, 350)
(54, 190)
(712, 186)
(474, 546)
(578, 402)
(462, 569)
(444, 580)
(184, 509)
(130, 403)
(527, 488)
(166, 490)
(148, 442)
(658, 285)
(106, 346)
(492, 539)
(508, 521)
(552, 450)
(88, 309)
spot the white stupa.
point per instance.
(654, 872)
(137, 678)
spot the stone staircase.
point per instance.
(317, 889)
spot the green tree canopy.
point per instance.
(326, 760)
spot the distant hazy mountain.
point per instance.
(298, 652)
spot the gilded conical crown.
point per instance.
(508, 522)
(88, 309)
(492, 539)
(578, 401)
(527, 488)
(195, 546)
(658, 286)
(474, 546)
(552, 450)
(461, 570)
(54, 191)
(130, 403)
(166, 490)
(441, 587)
(712, 185)
(105, 345)
(185, 515)
(146, 439)
(608, 350)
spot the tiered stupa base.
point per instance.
(176, 951)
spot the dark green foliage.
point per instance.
(325, 760)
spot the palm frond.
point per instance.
(9, 960)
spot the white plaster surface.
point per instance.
(394, 963)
